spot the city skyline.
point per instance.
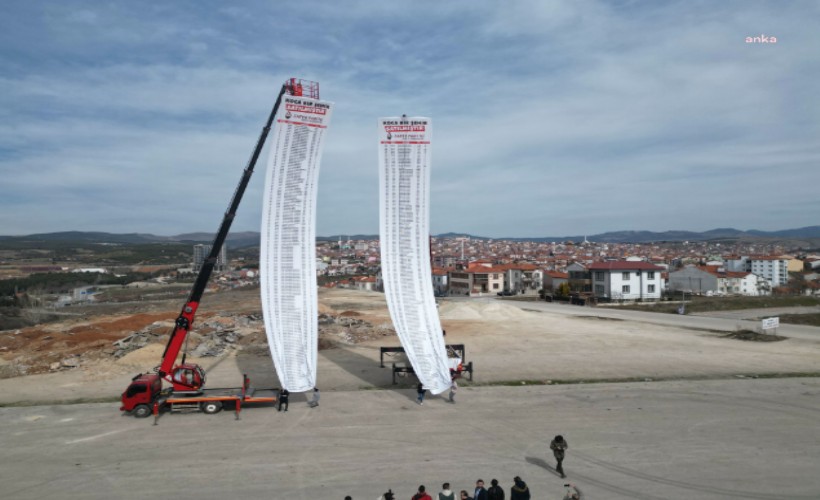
(555, 119)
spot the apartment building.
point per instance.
(579, 278)
(775, 270)
(626, 280)
(478, 278)
(201, 253)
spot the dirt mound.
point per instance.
(493, 311)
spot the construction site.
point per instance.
(612, 385)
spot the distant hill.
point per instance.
(810, 232)
(251, 238)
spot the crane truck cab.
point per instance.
(140, 396)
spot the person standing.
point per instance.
(519, 490)
(420, 390)
(313, 403)
(559, 446)
(495, 492)
(465, 495)
(445, 493)
(422, 494)
(480, 491)
(283, 399)
(453, 389)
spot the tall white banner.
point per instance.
(404, 193)
(287, 261)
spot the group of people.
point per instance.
(518, 491)
(284, 395)
(451, 397)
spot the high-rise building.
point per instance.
(201, 253)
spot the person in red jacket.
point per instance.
(422, 495)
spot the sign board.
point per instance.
(287, 260)
(770, 323)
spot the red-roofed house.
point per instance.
(477, 279)
(366, 283)
(626, 280)
(554, 279)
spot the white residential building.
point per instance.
(775, 270)
(440, 283)
(626, 280)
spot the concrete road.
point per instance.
(729, 323)
(751, 439)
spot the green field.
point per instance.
(801, 319)
(698, 304)
(706, 304)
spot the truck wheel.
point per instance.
(141, 411)
(211, 407)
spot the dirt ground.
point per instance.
(75, 359)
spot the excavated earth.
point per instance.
(97, 338)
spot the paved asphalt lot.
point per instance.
(719, 321)
(740, 438)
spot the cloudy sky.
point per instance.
(550, 118)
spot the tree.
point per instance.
(563, 290)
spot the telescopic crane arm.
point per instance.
(191, 377)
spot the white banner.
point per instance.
(404, 192)
(287, 260)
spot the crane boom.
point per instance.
(190, 377)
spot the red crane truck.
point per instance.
(145, 395)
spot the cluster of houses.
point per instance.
(630, 279)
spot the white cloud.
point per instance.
(549, 118)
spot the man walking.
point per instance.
(480, 491)
(558, 447)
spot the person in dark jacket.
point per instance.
(420, 390)
(465, 495)
(558, 447)
(519, 490)
(283, 399)
(480, 490)
(495, 492)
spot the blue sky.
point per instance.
(550, 118)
